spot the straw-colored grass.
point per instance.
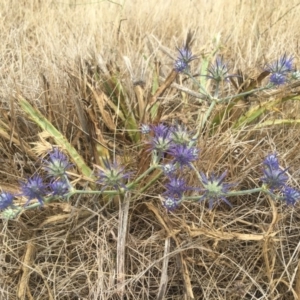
(52, 53)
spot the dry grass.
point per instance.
(52, 53)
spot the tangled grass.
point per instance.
(90, 69)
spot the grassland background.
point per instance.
(73, 255)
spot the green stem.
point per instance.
(197, 173)
(73, 191)
(131, 184)
(216, 93)
(245, 192)
(144, 188)
(204, 91)
(237, 193)
(244, 94)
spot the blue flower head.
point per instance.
(183, 155)
(279, 69)
(161, 139)
(278, 78)
(112, 176)
(57, 164)
(176, 187)
(34, 188)
(218, 71)
(180, 135)
(6, 200)
(170, 203)
(184, 58)
(282, 65)
(59, 187)
(290, 195)
(271, 161)
(215, 189)
(274, 177)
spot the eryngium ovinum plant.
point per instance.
(173, 149)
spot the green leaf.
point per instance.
(60, 140)
(278, 122)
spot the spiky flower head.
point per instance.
(280, 68)
(59, 187)
(274, 177)
(271, 161)
(278, 78)
(290, 195)
(112, 176)
(282, 65)
(161, 139)
(56, 164)
(219, 71)
(170, 203)
(180, 135)
(185, 56)
(215, 189)
(34, 188)
(183, 155)
(6, 200)
(176, 187)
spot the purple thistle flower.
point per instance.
(183, 154)
(278, 79)
(161, 140)
(112, 176)
(180, 135)
(184, 58)
(34, 188)
(59, 187)
(274, 177)
(57, 164)
(271, 161)
(160, 130)
(214, 189)
(279, 69)
(176, 187)
(6, 200)
(170, 203)
(219, 71)
(290, 195)
(282, 65)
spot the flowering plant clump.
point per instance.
(179, 158)
(172, 150)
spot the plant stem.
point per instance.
(244, 94)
